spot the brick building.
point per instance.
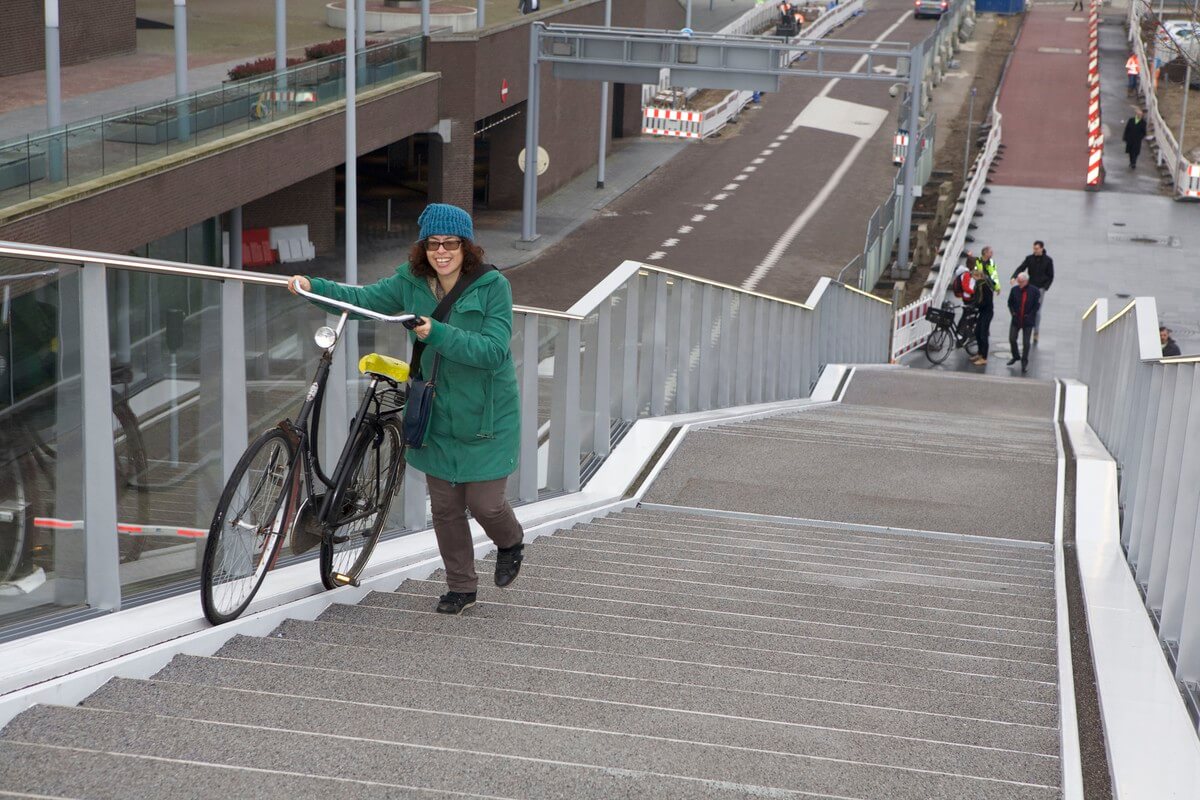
(89, 29)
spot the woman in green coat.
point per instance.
(474, 431)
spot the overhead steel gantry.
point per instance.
(711, 61)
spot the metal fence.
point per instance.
(911, 330)
(1146, 411)
(174, 367)
(39, 164)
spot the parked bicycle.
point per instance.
(279, 487)
(946, 336)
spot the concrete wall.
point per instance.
(88, 29)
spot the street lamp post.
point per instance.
(916, 71)
(604, 105)
(280, 54)
(53, 88)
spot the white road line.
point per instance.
(729, 187)
(777, 250)
(750, 169)
(758, 161)
(721, 196)
(781, 138)
(699, 217)
(773, 145)
(656, 256)
(670, 243)
(741, 177)
(684, 229)
(766, 152)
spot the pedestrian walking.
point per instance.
(984, 299)
(1078, 6)
(1039, 266)
(1131, 74)
(1023, 301)
(473, 437)
(1169, 347)
(1135, 132)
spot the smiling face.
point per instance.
(446, 263)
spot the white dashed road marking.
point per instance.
(684, 229)
(729, 188)
(656, 256)
(670, 243)
(699, 217)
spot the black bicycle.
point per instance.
(947, 336)
(279, 488)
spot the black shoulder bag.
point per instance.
(421, 392)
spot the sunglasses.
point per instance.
(450, 244)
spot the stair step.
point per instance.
(1036, 663)
(703, 745)
(471, 767)
(783, 618)
(51, 771)
(773, 573)
(719, 539)
(606, 676)
(817, 602)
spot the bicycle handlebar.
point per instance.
(366, 312)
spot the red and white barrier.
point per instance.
(666, 122)
(1095, 171)
(50, 523)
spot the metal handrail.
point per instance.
(669, 36)
(67, 255)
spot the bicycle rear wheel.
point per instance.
(939, 345)
(361, 501)
(250, 520)
(131, 471)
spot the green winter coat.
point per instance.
(474, 430)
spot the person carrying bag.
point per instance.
(463, 423)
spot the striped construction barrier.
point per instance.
(50, 523)
(1095, 166)
(1190, 185)
(668, 122)
(911, 329)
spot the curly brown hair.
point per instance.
(418, 260)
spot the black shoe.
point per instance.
(1012, 361)
(1024, 367)
(455, 602)
(508, 563)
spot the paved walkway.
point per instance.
(1126, 240)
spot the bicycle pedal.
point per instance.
(344, 580)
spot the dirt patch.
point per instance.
(1170, 106)
(948, 158)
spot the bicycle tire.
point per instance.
(377, 473)
(971, 345)
(232, 572)
(132, 467)
(939, 345)
(14, 533)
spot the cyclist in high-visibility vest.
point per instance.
(1131, 70)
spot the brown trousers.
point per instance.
(449, 503)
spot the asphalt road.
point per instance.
(685, 216)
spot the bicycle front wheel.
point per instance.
(361, 501)
(251, 519)
(939, 345)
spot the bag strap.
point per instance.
(440, 313)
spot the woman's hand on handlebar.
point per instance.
(422, 330)
(299, 280)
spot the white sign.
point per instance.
(543, 160)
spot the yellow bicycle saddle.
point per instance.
(384, 367)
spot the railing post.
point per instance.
(234, 416)
(744, 350)
(564, 411)
(528, 482)
(1180, 576)
(683, 370)
(602, 423)
(727, 363)
(706, 374)
(658, 351)
(633, 340)
(100, 482)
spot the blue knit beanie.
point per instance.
(442, 219)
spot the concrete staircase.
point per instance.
(648, 654)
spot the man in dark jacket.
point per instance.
(1023, 302)
(1135, 132)
(1169, 346)
(1039, 266)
